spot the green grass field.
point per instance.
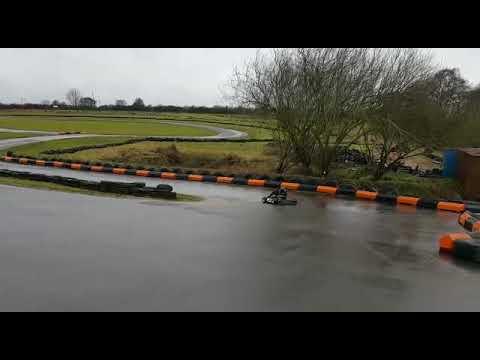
(36, 150)
(101, 126)
(9, 135)
(245, 120)
(222, 156)
(69, 121)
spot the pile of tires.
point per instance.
(465, 246)
(163, 191)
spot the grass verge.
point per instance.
(37, 149)
(41, 185)
(101, 126)
(245, 123)
(404, 184)
(214, 156)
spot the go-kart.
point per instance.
(278, 200)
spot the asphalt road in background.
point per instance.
(69, 252)
(221, 133)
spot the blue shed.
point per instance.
(450, 163)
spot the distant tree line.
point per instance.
(182, 109)
(148, 108)
(75, 101)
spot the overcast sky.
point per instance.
(158, 76)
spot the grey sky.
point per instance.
(159, 76)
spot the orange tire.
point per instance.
(142, 173)
(119, 171)
(327, 190)
(40, 162)
(7, 158)
(76, 166)
(447, 241)
(254, 182)
(448, 206)
(23, 161)
(290, 186)
(96, 168)
(224, 179)
(168, 175)
(58, 164)
(195, 178)
(407, 200)
(367, 195)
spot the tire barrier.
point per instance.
(224, 180)
(144, 173)
(468, 249)
(447, 241)
(346, 190)
(428, 203)
(470, 221)
(119, 171)
(178, 176)
(408, 200)
(195, 177)
(366, 195)
(290, 186)
(463, 245)
(76, 149)
(327, 190)
(311, 185)
(135, 189)
(254, 182)
(450, 206)
(306, 187)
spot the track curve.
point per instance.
(222, 133)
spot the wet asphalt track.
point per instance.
(68, 252)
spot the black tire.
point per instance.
(209, 178)
(467, 249)
(272, 184)
(306, 187)
(164, 187)
(387, 198)
(240, 181)
(428, 203)
(347, 190)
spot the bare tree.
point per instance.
(327, 98)
(73, 97)
(406, 122)
(449, 90)
(120, 103)
(322, 97)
